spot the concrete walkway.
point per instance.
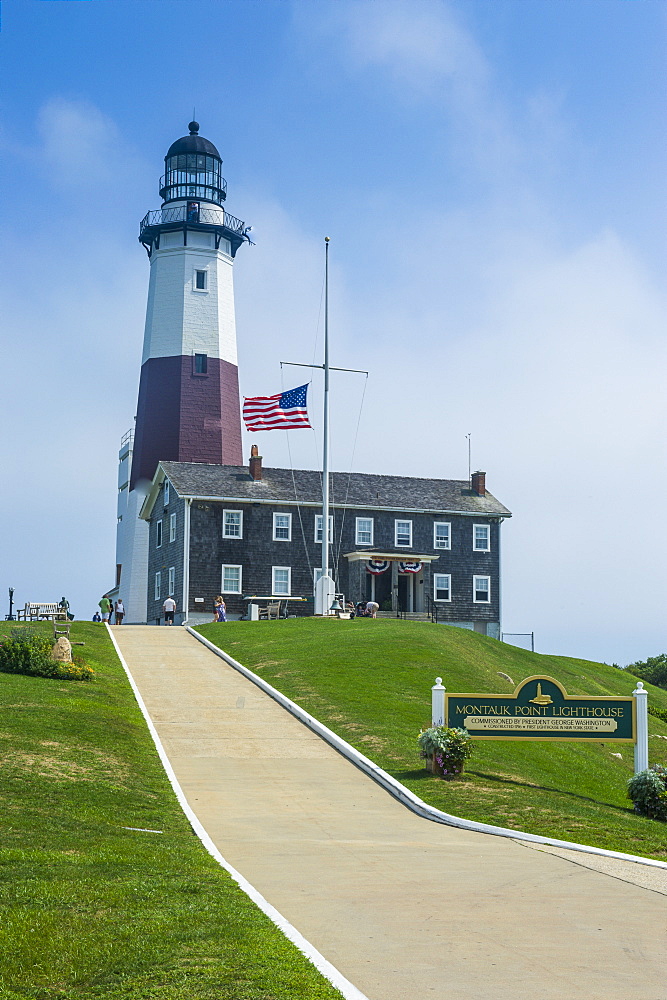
(403, 907)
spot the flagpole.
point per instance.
(325, 448)
(325, 588)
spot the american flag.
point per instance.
(282, 412)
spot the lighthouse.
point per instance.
(188, 407)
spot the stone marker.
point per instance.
(62, 650)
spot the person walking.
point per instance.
(120, 611)
(221, 610)
(105, 608)
(169, 607)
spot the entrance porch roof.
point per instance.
(389, 556)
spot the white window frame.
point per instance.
(402, 545)
(224, 523)
(436, 540)
(158, 585)
(475, 588)
(319, 525)
(357, 530)
(158, 533)
(436, 588)
(283, 569)
(196, 271)
(226, 590)
(172, 527)
(165, 493)
(289, 526)
(171, 581)
(476, 547)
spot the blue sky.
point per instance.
(491, 175)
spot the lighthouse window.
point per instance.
(200, 281)
(201, 364)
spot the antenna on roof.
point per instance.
(468, 438)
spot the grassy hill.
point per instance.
(91, 909)
(369, 681)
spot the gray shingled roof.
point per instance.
(359, 489)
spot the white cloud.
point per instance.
(421, 45)
(81, 147)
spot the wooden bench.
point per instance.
(272, 610)
(39, 611)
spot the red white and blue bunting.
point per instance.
(377, 566)
(409, 567)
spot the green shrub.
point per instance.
(653, 670)
(25, 651)
(648, 791)
(658, 713)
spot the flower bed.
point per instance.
(25, 651)
(445, 750)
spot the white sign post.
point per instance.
(641, 746)
(438, 703)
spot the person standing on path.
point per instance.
(120, 611)
(105, 608)
(169, 607)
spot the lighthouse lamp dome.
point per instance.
(193, 169)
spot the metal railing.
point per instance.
(202, 216)
(433, 609)
(518, 635)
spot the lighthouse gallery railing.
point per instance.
(205, 216)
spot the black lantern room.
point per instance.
(193, 169)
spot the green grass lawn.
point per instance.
(89, 909)
(369, 681)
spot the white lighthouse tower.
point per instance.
(188, 408)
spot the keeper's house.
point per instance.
(410, 544)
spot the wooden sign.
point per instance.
(541, 709)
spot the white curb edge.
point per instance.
(329, 971)
(399, 791)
